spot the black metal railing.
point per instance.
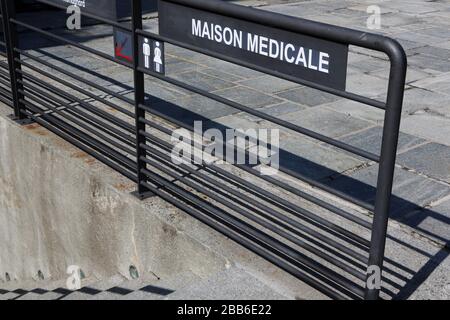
(5, 81)
(330, 254)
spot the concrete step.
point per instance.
(117, 287)
(42, 290)
(232, 283)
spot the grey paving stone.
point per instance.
(438, 32)
(300, 155)
(248, 97)
(433, 51)
(366, 85)
(112, 75)
(238, 121)
(412, 7)
(190, 56)
(438, 83)
(370, 140)
(428, 126)
(425, 61)
(445, 45)
(432, 159)
(203, 81)
(413, 36)
(205, 107)
(409, 44)
(161, 90)
(413, 74)
(433, 221)
(359, 63)
(411, 191)
(417, 99)
(90, 63)
(187, 110)
(357, 110)
(308, 96)
(269, 84)
(325, 121)
(175, 66)
(397, 18)
(220, 74)
(282, 108)
(231, 68)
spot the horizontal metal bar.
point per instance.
(301, 213)
(6, 101)
(79, 123)
(304, 195)
(79, 89)
(339, 93)
(4, 81)
(245, 199)
(304, 178)
(273, 228)
(286, 186)
(89, 119)
(263, 237)
(82, 136)
(246, 241)
(76, 77)
(83, 147)
(116, 121)
(70, 42)
(260, 114)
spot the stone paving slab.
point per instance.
(307, 96)
(325, 121)
(434, 221)
(248, 97)
(269, 84)
(357, 110)
(427, 126)
(411, 191)
(431, 159)
(370, 140)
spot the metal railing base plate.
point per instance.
(22, 122)
(143, 196)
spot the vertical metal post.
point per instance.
(139, 98)
(11, 40)
(387, 163)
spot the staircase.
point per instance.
(228, 284)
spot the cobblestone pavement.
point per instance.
(422, 182)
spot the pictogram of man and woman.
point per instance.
(157, 55)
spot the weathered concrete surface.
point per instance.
(60, 207)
